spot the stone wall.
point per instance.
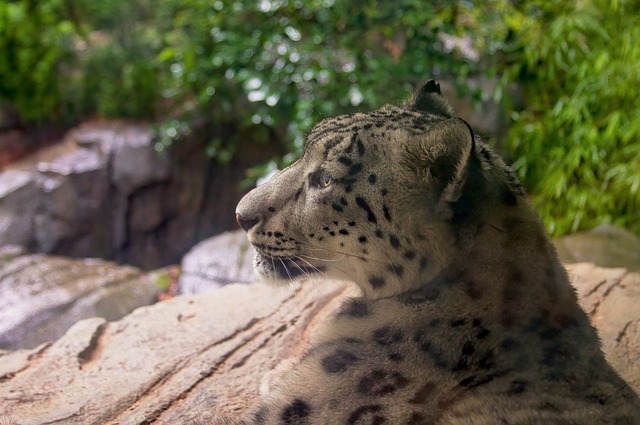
(105, 192)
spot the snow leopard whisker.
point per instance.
(286, 269)
(324, 260)
(348, 254)
(314, 268)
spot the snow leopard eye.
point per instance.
(320, 179)
(325, 179)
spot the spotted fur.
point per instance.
(465, 316)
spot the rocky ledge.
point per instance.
(203, 358)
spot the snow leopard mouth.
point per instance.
(284, 268)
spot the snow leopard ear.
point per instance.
(446, 150)
(429, 99)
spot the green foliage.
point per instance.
(287, 64)
(576, 143)
(269, 69)
(67, 61)
(34, 42)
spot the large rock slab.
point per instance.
(164, 363)
(205, 357)
(43, 296)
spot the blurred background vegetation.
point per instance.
(272, 68)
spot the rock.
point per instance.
(163, 363)
(42, 296)
(611, 296)
(135, 162)
(606, 246)
(105, 191)
(73, 189)
(18, 203)
(217, 261)
(205, 357)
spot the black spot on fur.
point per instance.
(422, 338)
(377, 282)
(337, 207)
(387, 214)
(509, 344)
(474, 381)
(338, 361)
(471, 290)
(396, 357)
(434, 323)
(487, 361)
(556, 360)
(379, 234)
(343, 201)
(467, 381)
(423, 263)
(362, 203)
(395, 242)
(419, 296)
(424, 392)
(354, 308)
(482, 331)
(355, 169)
(549, 407)
(380, 382)
(457, 323)
(360, 147)
(362, 239)
(418, 418)
(346, 161)
(464, 361)
(366, 415)
(387, 335)
(271, 209)
(373, 178)
(296, 413)
(260, 415)
(518, 387)
(409, 255)
(344, 232)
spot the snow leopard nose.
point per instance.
(246, 223)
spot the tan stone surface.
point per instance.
(204, 357)
(611, 297)
(161, 363)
